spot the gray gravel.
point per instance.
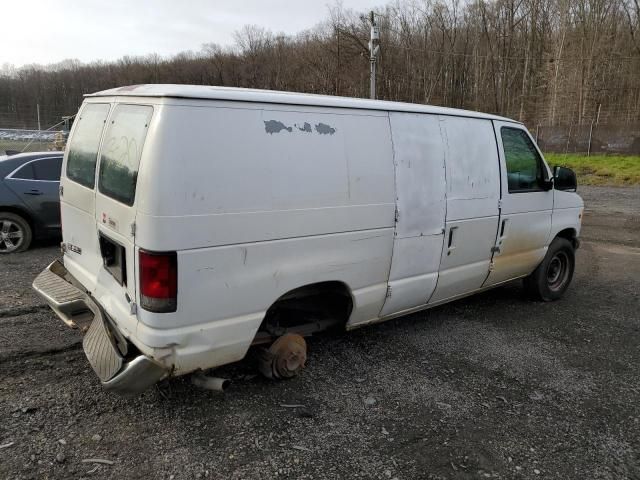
(613, 214)
(493, 386)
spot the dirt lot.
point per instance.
(494, 386)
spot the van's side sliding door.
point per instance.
(472, 193)
(420, 190)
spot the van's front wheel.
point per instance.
(552, 277)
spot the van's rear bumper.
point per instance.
(106, 349)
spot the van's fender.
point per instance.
(568, 209)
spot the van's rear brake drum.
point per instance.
(285, 358)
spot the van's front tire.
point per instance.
(15, 233)
(552, 277)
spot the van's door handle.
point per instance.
(503, 228)
(450, 245)
(33, 192)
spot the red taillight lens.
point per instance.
(158, 281)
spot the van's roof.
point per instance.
(290, 98)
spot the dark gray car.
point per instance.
(29, 199)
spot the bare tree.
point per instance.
(541, 61)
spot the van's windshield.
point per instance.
(121, 151)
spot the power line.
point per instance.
(505, 57)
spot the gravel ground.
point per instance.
(494, 386)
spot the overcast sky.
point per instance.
(48, 31)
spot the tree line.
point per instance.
(539, 61)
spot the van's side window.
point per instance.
(121, 151)
(83, 148)
(524, 165)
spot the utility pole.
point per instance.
(38, 112)
(374, 51)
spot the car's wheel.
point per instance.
(551, 279)
(15, 233)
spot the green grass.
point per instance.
(600, 169)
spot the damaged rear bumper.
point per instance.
(119, 369)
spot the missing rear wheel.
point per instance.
(285, 358)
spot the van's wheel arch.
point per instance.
(296, 314)
(552, 277)
(15, 233)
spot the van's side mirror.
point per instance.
(564, 179)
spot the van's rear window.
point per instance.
(121, 151)
(83, 148)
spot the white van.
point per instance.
(199, 221)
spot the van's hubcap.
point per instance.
(11, 236)
(558, 271)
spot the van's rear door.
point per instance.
(97, 202)
(77, 194)
(115, 211)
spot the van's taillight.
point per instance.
(158, 281)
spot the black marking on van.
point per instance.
(274, 126)
(324, 129)
(305, 128)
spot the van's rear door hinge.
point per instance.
(500, 204)
(388, 295)
(133, 229)
(397, 214)
(133, 308)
